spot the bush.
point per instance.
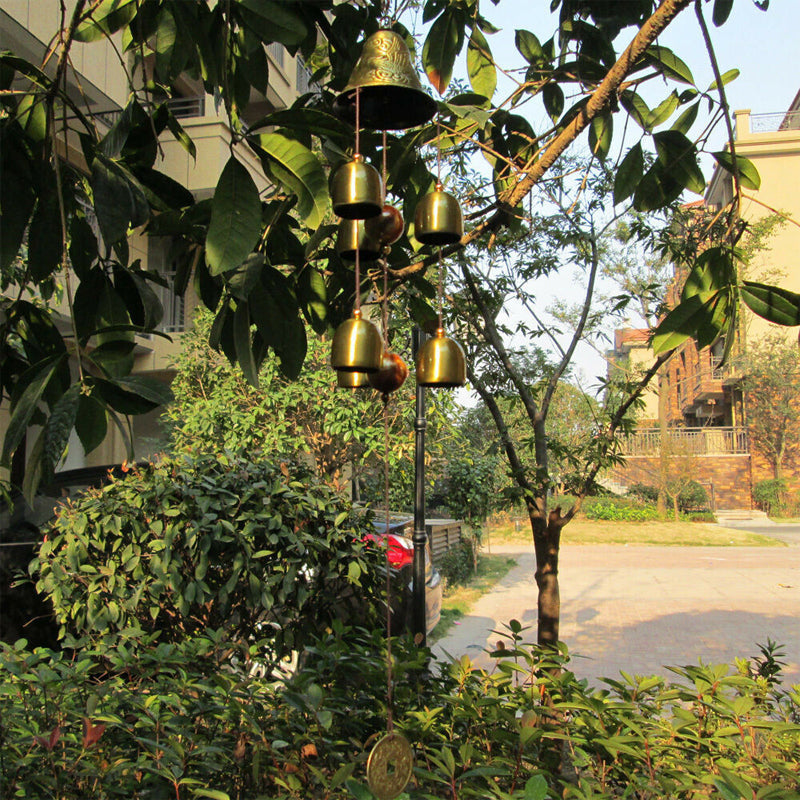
(208, 542)
(619, 509)
(172, 722)
(770, 494)
(643, 491)
(692, 497)
(457, 565)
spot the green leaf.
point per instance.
(243, 344)
(183, 139)
(300, 172)
(235, 224)
(135, 394)
(44, 237)
(90, 423)
(17, 195)
(274, 22)
(37, 379)
(480, 65)
(666, 62)
(656, 189)
(529, 46)
(166, 34)
(600, 133)
(118, 199)
(726, 78)
(748, 174)
(636, 107)
(691, 318)
(35, 469)
(59, 425)
(553, 98)
(773, 303)
(678, 156)
(663, 111)
(442, 45)
(629, 174)
(307, 120)
(32, 117)
(108, 17)
(722, 10)
(536, 788)
(686, 119)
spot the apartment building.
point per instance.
(98, 73)
(704, 412)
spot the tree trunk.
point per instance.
(675, 510)
(546, 543)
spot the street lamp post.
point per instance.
(420, 536)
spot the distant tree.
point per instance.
(771, 383)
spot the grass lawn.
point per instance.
(682, 534)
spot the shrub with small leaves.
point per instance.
(619, 509)
(254, 549)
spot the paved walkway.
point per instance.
(639, 608)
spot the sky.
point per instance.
(762, 45)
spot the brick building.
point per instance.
(696, 408)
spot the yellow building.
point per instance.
(99, 75)
(704, 409)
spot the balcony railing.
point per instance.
(771, 123)
(686, 441)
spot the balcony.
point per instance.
(709, 379)
(686, 441)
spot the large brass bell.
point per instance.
(356, 236)
(357, 346)
(441, 362)
(438, 219)
(352, 380)
(357, 190)
(391, 95)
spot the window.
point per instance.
(158, 259)
(276, 53)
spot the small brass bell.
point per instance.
(357, 190)
(357, 235)
(352, 380)
(357, 346)
(391, 95)
(441, 362)
(438, 219)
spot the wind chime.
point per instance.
(384, 93)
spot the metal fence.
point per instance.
(771, 123)
(687, 441)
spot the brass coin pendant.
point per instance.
(389, 766)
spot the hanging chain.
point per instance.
(438, 151)
(358, 259)
(389, 667)
(440, 288)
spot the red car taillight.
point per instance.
(400, 552)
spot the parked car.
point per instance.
(400, 555)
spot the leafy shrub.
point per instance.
(619, 509)
(457, 565)
(205, 541)
(700, 516)
(170, 721)
(692, 497)
(643, 491)
(770, 494)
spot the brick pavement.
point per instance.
(639, 608)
